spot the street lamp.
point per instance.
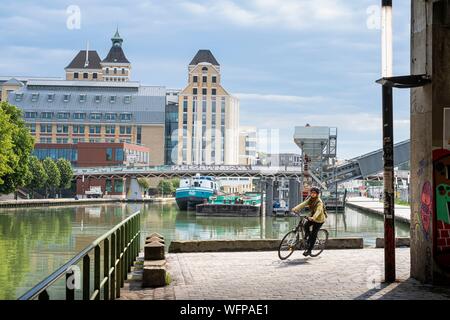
(388, 82)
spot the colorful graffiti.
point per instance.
(426, 207)
(441, 221)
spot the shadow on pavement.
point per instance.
(292, 262)
(409, 289)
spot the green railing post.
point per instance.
(106, 269)
(86, 276)
(113, 266)
(118, 263)
(124, 252)
(97, 272)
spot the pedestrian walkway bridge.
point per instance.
(361, 167)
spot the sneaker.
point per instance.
(307, 253)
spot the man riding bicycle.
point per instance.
(316, 220)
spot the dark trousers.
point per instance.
(311, 235)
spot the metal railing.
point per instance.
(121, 246)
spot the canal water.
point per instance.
(36, 241)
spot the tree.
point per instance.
(165, 187)
(175, 183)
(54, 177)
(66, 172)
(144, 183)
(39, 175)
(16, 145)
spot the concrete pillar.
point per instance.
(134, 192)
(269, 196)
(293, 193)
(430, 154)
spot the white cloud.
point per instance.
(279, 98)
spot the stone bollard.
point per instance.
(155, 234)
(154, 251)
(154, 273)
(154, 239)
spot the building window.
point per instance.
(78, 129)
(112, 99)
(108, 185)
(109, 154)
(110, 129)
(95, 129)
(195, 79)
(75, 75)
(46, 128)
(66, 97)
(214, 79)
(107, 71)
(127, 99)
(82, 98)
(98, 98)
(125, 129)
(30, 115)
(185, 104)
(94, 75)
(204, 91)
(194, 90)
(47, 115)
(79, 116)
(62, 128)
(50, 97)
(31, 127)
(205, 69)
(34, 97)
(18, 96)
(95, 116)
(125, 116)
(139, 135)
(110, 116)
(213, 92)
(205, 79)
(119, 155)
(63, 115)
(85, 75)
(118, 185)
(115, 70)
(123, 70)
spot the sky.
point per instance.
(290, 62)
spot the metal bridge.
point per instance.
(361, 167)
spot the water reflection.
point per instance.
(36, 241)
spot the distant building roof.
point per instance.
(116, 55)
(204, 56)
(79, 62)
(13, 82)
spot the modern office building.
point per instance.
(61, 111)
(247, 145)
(171, 126)
(10, 84)
(208, 119)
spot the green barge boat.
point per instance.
(246, 205)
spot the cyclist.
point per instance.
(316, 220)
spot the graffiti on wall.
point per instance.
(441, 220)
(426, 208)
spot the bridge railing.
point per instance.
(117, 249)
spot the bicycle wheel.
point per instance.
(321, 242)
(288, 245)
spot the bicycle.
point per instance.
(295, 239)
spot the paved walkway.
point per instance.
(336, 274)
(402, 213)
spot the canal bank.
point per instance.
(374, 206)
(72, 201)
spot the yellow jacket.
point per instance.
(318, 215)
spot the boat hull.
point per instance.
(188, 198)
(228, 210)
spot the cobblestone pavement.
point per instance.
(336, 274)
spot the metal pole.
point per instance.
(388, 144)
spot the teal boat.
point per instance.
(196, 190)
